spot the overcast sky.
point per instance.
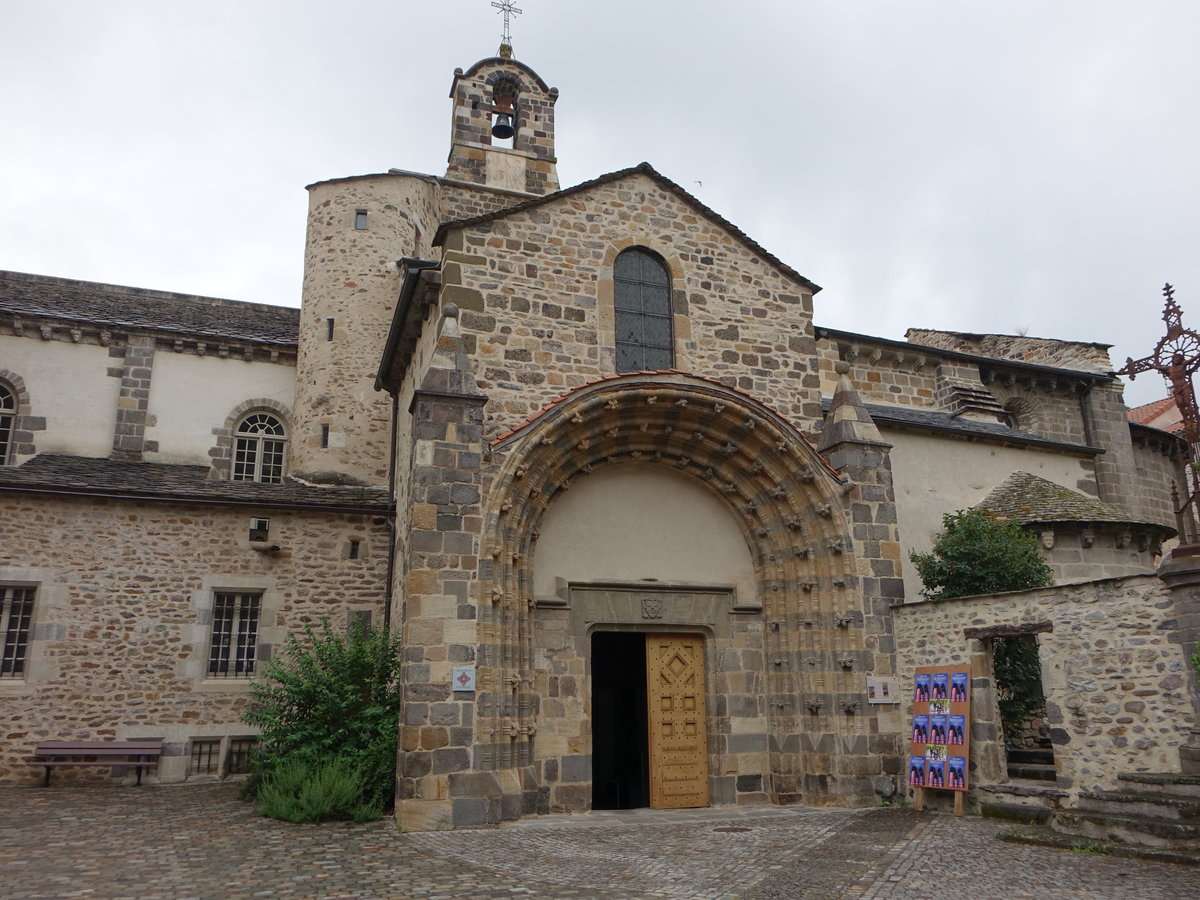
(1006, 167)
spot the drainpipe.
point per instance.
(391, 518)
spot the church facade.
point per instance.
(639, 523)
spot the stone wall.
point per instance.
(352, 281)
(1086, 357)
(1114, 678)
(880, 373)
(535, 288)
(122, 617)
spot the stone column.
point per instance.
(854, 447)
(437, 787)
(129, 433)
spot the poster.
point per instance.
(938, 753)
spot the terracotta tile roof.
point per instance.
(1029, 498)
(662, 181)
(53, 473)
(118, 306)
(1148, 412)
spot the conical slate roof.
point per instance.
(1027, 498)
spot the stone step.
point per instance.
(1032, 834)
(1019, 801)
(1144, 805)
(1164, 784)
(1032, 772)
(1030, 756)
(1024, 813)
(1136, 830)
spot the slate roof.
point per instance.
(53, 473)
(1030, 498)
(663, 182)
(935, 420)
(118, 306)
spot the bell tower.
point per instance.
(502, 134)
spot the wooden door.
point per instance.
(678, 733)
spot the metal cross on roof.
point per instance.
(1176, 357)
(509, 9)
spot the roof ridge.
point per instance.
(650, 172)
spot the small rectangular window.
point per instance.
(329, 328)
(206, 757)
(360, 220)
(354, 549)
(324, 437)
(239, 755)
(260, 529)
(232, 650)
(16, 619)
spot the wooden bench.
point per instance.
(141, 754)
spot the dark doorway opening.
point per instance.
(620, 755)
(1017, 665)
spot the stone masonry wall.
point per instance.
(1159, 468)
(122, 616)
(351, 278)
(1114, 679)
(536, 292)
(880, 374)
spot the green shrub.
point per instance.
(977, 554)
(1018, 671)
(328, 705)
(300, 790)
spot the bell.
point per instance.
(503, 128)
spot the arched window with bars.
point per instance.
(642, 301)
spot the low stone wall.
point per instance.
(1115, 681)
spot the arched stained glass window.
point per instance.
(642, 295)
(258, 449)
(8, 416)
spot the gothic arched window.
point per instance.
(8, 416)
(642, 297)
(258, 449)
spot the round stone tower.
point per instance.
(502, 152)
(357, 230)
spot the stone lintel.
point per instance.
(995, 631)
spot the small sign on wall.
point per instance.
(882, 689)
(464, 678)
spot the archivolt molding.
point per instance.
(785, 497)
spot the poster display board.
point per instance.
(941, 728)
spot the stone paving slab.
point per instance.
(112, 843)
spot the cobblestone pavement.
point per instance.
(111, 843)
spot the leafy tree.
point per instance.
(978, 554)
(1018, 681)
(329, 705)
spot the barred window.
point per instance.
(258, 449)
(234, 635)
(8, 416)
(206, 757)
(239, 755)
(642, 297)
(16, 618)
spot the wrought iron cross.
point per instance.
(509, 9)
(1176, 357)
